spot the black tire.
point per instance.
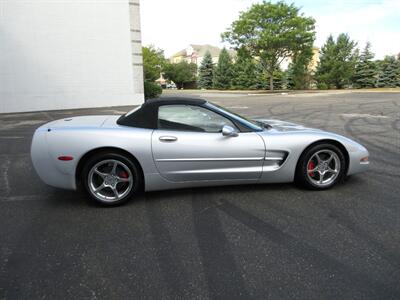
(304, 180)
(123, 161)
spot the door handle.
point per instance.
(168, 139)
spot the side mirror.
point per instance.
(229, 131)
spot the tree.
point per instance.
(389, 72)
(151, 90)
(153, 62)
(326, 63)
(298, 72)
(271, 32)
(206, 72)
(223, 71)
(244, 71)
(181, 73)
(262, 78)
(337, 62)
(279, 79)
(366, 69)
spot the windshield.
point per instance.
(254, 125)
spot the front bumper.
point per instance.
(357, 161)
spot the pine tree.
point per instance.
(244, 71)
(290, 84)
(298, 73)
(366, 71)
(326, 63)
(279, 79)
(206, 72)
(223, 72)
(337, 62)
(262, 78)
(389, 72)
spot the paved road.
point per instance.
(264, 242)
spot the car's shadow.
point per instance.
(61, 198)
(251, 189)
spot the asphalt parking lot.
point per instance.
(261, 242)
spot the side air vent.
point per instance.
(274, 159)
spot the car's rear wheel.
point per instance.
(111, 178)
(321, 167)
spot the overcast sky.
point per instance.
(172, 25)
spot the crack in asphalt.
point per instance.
(5, 183)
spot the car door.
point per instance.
(189, 146)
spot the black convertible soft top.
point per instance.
(146, 116)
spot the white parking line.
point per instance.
(237, 107)
(364, 116)
(22, 198)
(6, 125)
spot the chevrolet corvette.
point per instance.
(180, 143)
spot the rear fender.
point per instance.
(76, 143)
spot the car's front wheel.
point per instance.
(111, 178)
(321, 167)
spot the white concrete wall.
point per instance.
(136, 45)
(57, 54)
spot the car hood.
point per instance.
(307, 135)
(284, 126)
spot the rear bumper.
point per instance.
(44, 164)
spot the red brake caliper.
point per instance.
(123, 175)
(310, 167)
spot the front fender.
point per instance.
(295, 142)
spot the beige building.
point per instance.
(195, 54)
(315, 59)
(313, 63)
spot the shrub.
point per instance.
(182, 74)
(322, 86)
(151, 90)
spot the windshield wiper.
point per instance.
(263, 125)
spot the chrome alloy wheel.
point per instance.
(110, 180)
(323, 167)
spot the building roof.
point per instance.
(180, 53)
(201, 50)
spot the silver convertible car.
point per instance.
(179, 143)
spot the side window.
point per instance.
(190, 118)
